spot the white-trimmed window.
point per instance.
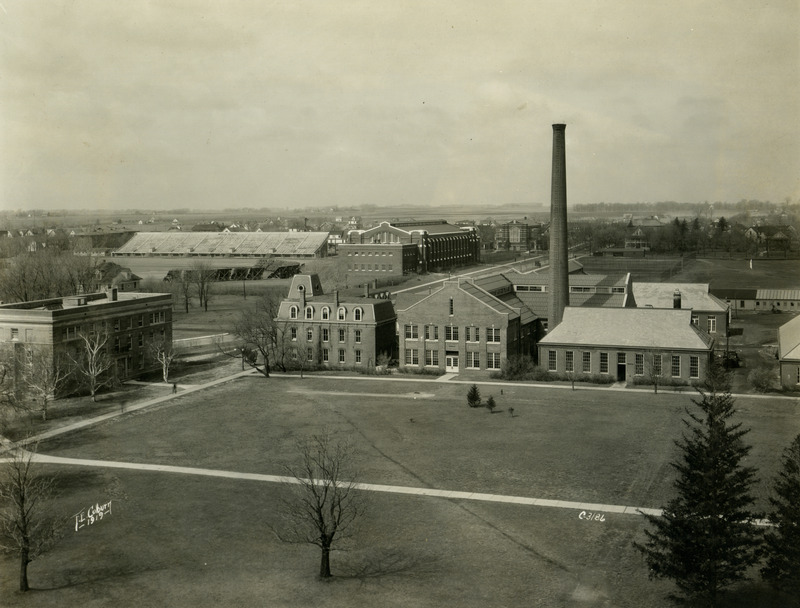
(431, 332)
(657, 365)
(293, 333)
(310, 334)
(341, 355)
(341, 313)
(603, 363)
(412, 356)
(451, 333)
(325, 334)
(358, 314)
(570, 361)
(551, 361)
(342, 335)
(492, 334)
(695, 319)
(309, 354)
(694, 366)
(492, 360)
(357, 336)
(432, 358)
(326, 313)
(293, 312)
(357, 356)
(15, 333)
(586, 361)
(676, 366)
(309, 312)
(473, 360)
(639, 370)
(411, 331)
(325, 355)
(712, 325)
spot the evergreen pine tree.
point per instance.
(491, 404)
(782, 569)
(705, 538)
(473, 396)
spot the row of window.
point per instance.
(368, 267)
(325, 311)
(767, 303)
(342, 353)
(411, 357)
(653, 366)
(125, 343)
(451, 333)
(71, 332)
(370, 254)
(325, 335)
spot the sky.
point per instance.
(224, 104)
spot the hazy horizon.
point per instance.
(288, 105)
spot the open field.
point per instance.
(766, 274)
(185, 540)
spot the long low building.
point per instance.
(739, 298)
(225, 244)
(628, 342)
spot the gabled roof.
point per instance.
(646, 328)
(789, 340)
(695, 296)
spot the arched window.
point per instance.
(326, 313)
(293, 312)
(357, 314)
(341, 313)
(309, 312)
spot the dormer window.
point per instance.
(326, 313)
(341, 313)
(293, 312)
(309, 312)
(357, 314)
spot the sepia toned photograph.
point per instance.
(399, 304)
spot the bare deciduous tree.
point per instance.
(203, 276)
(26, 528)
(93, 365)
(46, 375)
(163, 353)
(259, 334)
(326, 502)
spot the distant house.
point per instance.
(109, 275)
(624, 343)
(789, 353)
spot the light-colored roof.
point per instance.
(778, 294)
(646, 328)
(695, 296)
(789, 340)
(225, 243)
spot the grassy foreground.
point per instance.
(184, 540)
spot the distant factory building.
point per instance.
(394, 249)
(227, 244)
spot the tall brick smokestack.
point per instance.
(559, 267)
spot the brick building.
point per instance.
(335, 332)
(396, 248)
(708, 311)
(460, 327)
(628, 342)
(520, 236)
(131, 321)
(789, 353)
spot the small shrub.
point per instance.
(473, 396)
(491, 404)
(761, 379)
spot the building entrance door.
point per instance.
(451, 363)
(620, 372)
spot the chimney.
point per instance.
(676, 299)
(336, 298)
(366, 289)
(302, 290)
(559, 263)
(113, 294)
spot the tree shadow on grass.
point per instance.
(382, 563)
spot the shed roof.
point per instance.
(694, 296)
(789, 340)
(647, 328)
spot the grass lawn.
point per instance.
(766, 273)
(183, 540)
